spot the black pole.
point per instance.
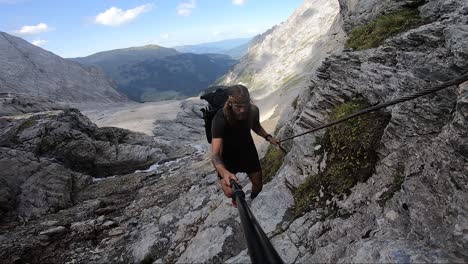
(259, 246)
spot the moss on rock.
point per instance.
(395, 186)
(374, 33)
(350, 148)
(271, 162)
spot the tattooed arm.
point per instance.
(216, 159)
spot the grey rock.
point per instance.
(211, 240)
(109, 224)
(416, 139)
(104, 210)
(456, 42)
(74, 141)
(84, 227)
(285, 248)
(176, 212)
(54, 231)
(50, 223)
(16, 104)
(32, 185)
(243, 257)
(29, 69)
(100, 220)
(116, 231)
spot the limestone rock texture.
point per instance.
(29, 69)
(49, 152)
(424, 143)
(412, 207)
(280, 62)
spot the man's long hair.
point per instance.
(237, 94)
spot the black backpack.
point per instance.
(216, 96)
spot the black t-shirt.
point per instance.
(237, 139)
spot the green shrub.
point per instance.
(374, 33)
(350, 148)
(271, 162)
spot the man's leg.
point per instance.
(257, 184)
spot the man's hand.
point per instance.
(227, 176)
(273, 141)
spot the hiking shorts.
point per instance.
(247, 162)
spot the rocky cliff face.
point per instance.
(28, 69)
(387, 187)
(49, 152)
(412, 206)
(272, 62)
(280, 62)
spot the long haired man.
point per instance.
(232, 147)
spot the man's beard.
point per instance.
(241, 116)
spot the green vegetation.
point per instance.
(271, 162)
(395, 186)
(289, 78)
(350, 148)
(245, 78)
(155, 95)
(374, 33)
(27, 124)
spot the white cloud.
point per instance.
(32, 30)
(39, 42)
(115, 16)
(238, 2)
(186, 8)
(165, 36)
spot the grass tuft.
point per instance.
(351, 157)
(271, 162)
(374, 33)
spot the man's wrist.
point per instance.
(267, 137)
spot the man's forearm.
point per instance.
(218, 163)
(261, 132)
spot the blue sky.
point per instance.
(81, 28)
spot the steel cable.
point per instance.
(434, 89)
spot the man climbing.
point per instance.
(232, 146)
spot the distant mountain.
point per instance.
(28, 69)
(111, 61)
(172, 77)
(232, 47)
(154, 73)
(238, 52)
(283, 58)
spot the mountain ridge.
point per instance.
(235, 48)
(32, 70)
(132, 70)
